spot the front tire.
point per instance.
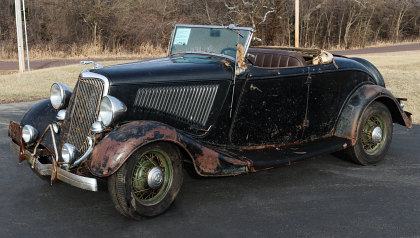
(147, 184)
(374, 135)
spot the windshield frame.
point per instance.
(246, 46)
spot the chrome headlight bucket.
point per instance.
(60, 95)
(29, 133)
(68, 153)
(111, 110)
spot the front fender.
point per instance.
(40, 116)
(348, 122)
(114, 149)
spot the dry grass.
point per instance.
(50, 52)
(36, 84)
(401, 71)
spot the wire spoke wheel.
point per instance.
(373, 134)
(148, 182)
(152, 177)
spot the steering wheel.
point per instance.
(227, 49)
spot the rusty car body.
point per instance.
(215, 104)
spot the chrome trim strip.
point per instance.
(88, 74)
(216, 27)
(82, 182)
(170, 42)
(248, 43)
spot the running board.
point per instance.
(274, 157)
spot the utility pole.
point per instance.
(296, 23)
(26, 34)
(18, 13)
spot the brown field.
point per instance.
(34, 85)
(401, 71)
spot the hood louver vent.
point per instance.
(191, 104)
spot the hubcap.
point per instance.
(155, 178)
(152, 177)
(377, 135)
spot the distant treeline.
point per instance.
(128, 24)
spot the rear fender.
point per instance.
(114, 149)
(347, 125)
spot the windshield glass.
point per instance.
(216, 40)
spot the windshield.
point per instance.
(209, 39)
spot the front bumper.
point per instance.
(82, 182)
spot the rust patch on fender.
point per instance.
(111, 153)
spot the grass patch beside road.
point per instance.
(401, 71)
(34, 85)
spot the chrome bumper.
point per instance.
(86, 183)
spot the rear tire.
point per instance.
(135, 192)
(374, 135)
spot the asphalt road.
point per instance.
(384, 49)
(323, 197)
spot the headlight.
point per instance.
(111, 109)
(68, 153)
(98, 127)
(29, 133)
(61, 115)
(60, 95)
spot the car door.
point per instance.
(329, 90)
(271, 107)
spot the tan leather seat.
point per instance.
(273, 58)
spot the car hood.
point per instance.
(175, 68)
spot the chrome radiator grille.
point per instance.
(83, 110)
(187, 103)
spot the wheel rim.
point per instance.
(374, 134)
(152, 177)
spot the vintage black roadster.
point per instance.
(212, 104)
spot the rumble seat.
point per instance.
(273, 58)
